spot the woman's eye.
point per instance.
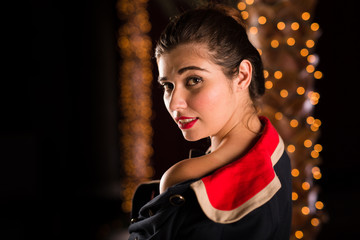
(167, 86)
(193, 81)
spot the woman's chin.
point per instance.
(192, 137)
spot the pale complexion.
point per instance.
(214, 105)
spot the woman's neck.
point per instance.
(244, 132)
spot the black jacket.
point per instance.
(249, 198)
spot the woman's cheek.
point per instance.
(209, 100)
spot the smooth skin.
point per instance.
(196, 87)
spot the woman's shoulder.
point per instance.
(187, 169)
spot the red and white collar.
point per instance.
(238, 188)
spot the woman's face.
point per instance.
(197, 94)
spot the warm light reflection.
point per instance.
(280, 25)
(278, 115)
(314, 26)
(304, 52)
(299, 234)
(319, 205)
(314, 128)
(305, 210)
(294, 196)
(278, 74)
(317, 175)
(291, 148)
(294, 123)
(305, 186)
(268, 84)
(284, 93)
(295, 172)
(249, 2)
(317, 123)
(318, 75)
(241, 6)
(253, 30)
(290, 41)
(295, 26)
(245, 15)
(300, 90)
(318, 147)
(274, 43)
(314, 154)
(307, 143)
(262, 20)
(310, 68)
(315, 222)
(305, 16)
(311, 58)
(310, 43)
(266, 74)
(310, 120)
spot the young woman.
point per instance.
(241, 189)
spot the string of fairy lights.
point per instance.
(285, 37)
(135, 80)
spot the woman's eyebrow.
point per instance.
(184, 69)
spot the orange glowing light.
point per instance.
(262, 20)
(304, 52)
(274, 43)
(291, 148)
(278, 74)
(315, 222)
(300, 90)
(294, 196)
(241, 6)
(278, 116)
(295, 26)
(305, 16)
(268, 84)
(253, 30)
(310, 43)
(299, 234)
(307, 143)
(245, 15)
(314, 26)
(305, 186)
(290, 41)
(305, 210)
(295, 172)
(319, 205)
(281, 25)
(284, 93)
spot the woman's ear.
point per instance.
(243, 78)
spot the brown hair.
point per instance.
(222, 29)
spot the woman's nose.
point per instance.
(177, 100)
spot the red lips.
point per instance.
(186, 122)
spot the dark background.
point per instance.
(59, 142)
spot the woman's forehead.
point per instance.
(185, 55)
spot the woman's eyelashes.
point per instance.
(189, 82)
(192, 81)
(167, 86)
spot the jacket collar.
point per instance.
(236, 189)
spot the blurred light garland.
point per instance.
(285, 37)
(135, 96)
